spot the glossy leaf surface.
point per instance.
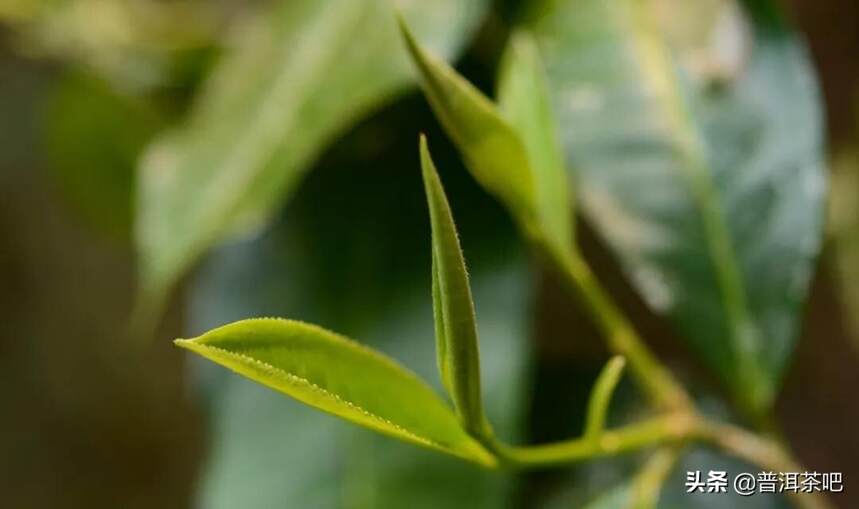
(337, 375)
(702, 170)
(297, 76)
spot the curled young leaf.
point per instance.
(339, 376)
(453, 307)
(512, 151)
(491, 147)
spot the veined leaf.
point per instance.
(524, 100)
(341, 377)
(265, 115)
(513, 151)
(453, 307)
(365, 277)
(704, 173)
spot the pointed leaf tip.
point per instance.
(512, 151)
(185, 343)
(453, 307)
(492, 150)
(339, 376)
(601, 394)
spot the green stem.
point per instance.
(658, 430)
(654, 55)
(672, 429)
(683, 422)
(663, 390)
(601, 396)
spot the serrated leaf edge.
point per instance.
(485, 458)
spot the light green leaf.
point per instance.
(269, 451)
(492, 149)
(341, 377)
(297, 76)
(453, 307)
(523, 97)
(365, 277)
(601, 396)
(701, 166)
(512, 150)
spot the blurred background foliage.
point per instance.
(94, 91)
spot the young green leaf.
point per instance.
(523, 97)
(341, 377)
(704, 172)
(601, 396)
(453, 307)
(512, 151)
(251, 462)
(263, 117)
(492, 149)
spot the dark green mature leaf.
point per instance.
(513, 154)
(453, 307)
(706, 179)
(299, 76)
(337, 375)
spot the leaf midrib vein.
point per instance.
(304, 382)
(651, 54)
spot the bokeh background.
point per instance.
(92, 419)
